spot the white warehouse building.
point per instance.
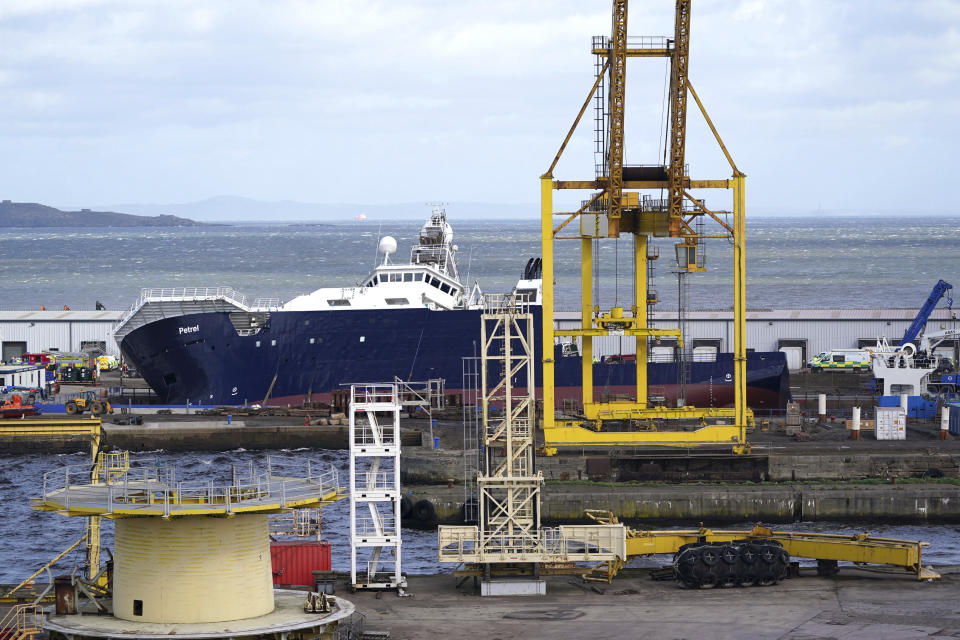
(66, 331)
(799, 333)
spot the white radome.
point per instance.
(388, 245)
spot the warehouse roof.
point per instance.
(60, 316)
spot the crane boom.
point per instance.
(939, 290)
(678, 113)
(618, 81)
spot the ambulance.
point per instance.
(841, 360)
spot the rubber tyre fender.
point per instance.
(424, 511)
(406, 507)
(768, 553)
(686, 561)
(710, 555)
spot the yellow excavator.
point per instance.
(88, 401)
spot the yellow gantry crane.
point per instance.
(616, 208)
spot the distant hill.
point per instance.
(238, 209)
(31, 214)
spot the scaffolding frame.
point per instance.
(472, 447)
(509, 488)
(375, 486)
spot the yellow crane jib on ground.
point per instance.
(617, 207)
(718, 557)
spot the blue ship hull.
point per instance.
(202, 359)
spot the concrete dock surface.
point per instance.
(855, 605)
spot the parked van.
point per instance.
(841, 359)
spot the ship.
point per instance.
(412, 321)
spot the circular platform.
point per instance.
(288, 615)
(152, 490)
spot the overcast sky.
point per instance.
(845, 105)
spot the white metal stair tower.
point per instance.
(375, 487)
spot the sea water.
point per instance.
(31, 537)
(812, 262)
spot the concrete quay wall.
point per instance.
(426, 466)
(718, 505)
(196, 436)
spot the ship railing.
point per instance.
(183, 294)
(266, 304)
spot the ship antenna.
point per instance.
(469, 264)
(376, 252)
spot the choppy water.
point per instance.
(791, 262)
(810, 262)
(32, 537)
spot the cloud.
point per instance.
(173, 100)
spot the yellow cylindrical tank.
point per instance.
(195, 569)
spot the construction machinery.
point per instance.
(509, 539)
(920, 321)
(705, 558)
(618, 208)
(88, 401)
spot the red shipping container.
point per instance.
(294, 561)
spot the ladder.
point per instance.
(375, 539)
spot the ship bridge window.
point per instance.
(434, 282)
(397, 301)
(445, 288)
(342, 302)
(418, 277)
(408, 277)
(395, 277)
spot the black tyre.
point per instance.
(424, 511)
(72, 408)
(768, 554)
(708, 580)
(730, 554)
(96, 407)
(406, 507)
(710, 555)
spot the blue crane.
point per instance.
(923, 315)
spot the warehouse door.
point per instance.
(13, 350)
(794, 356)
(795, 350)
